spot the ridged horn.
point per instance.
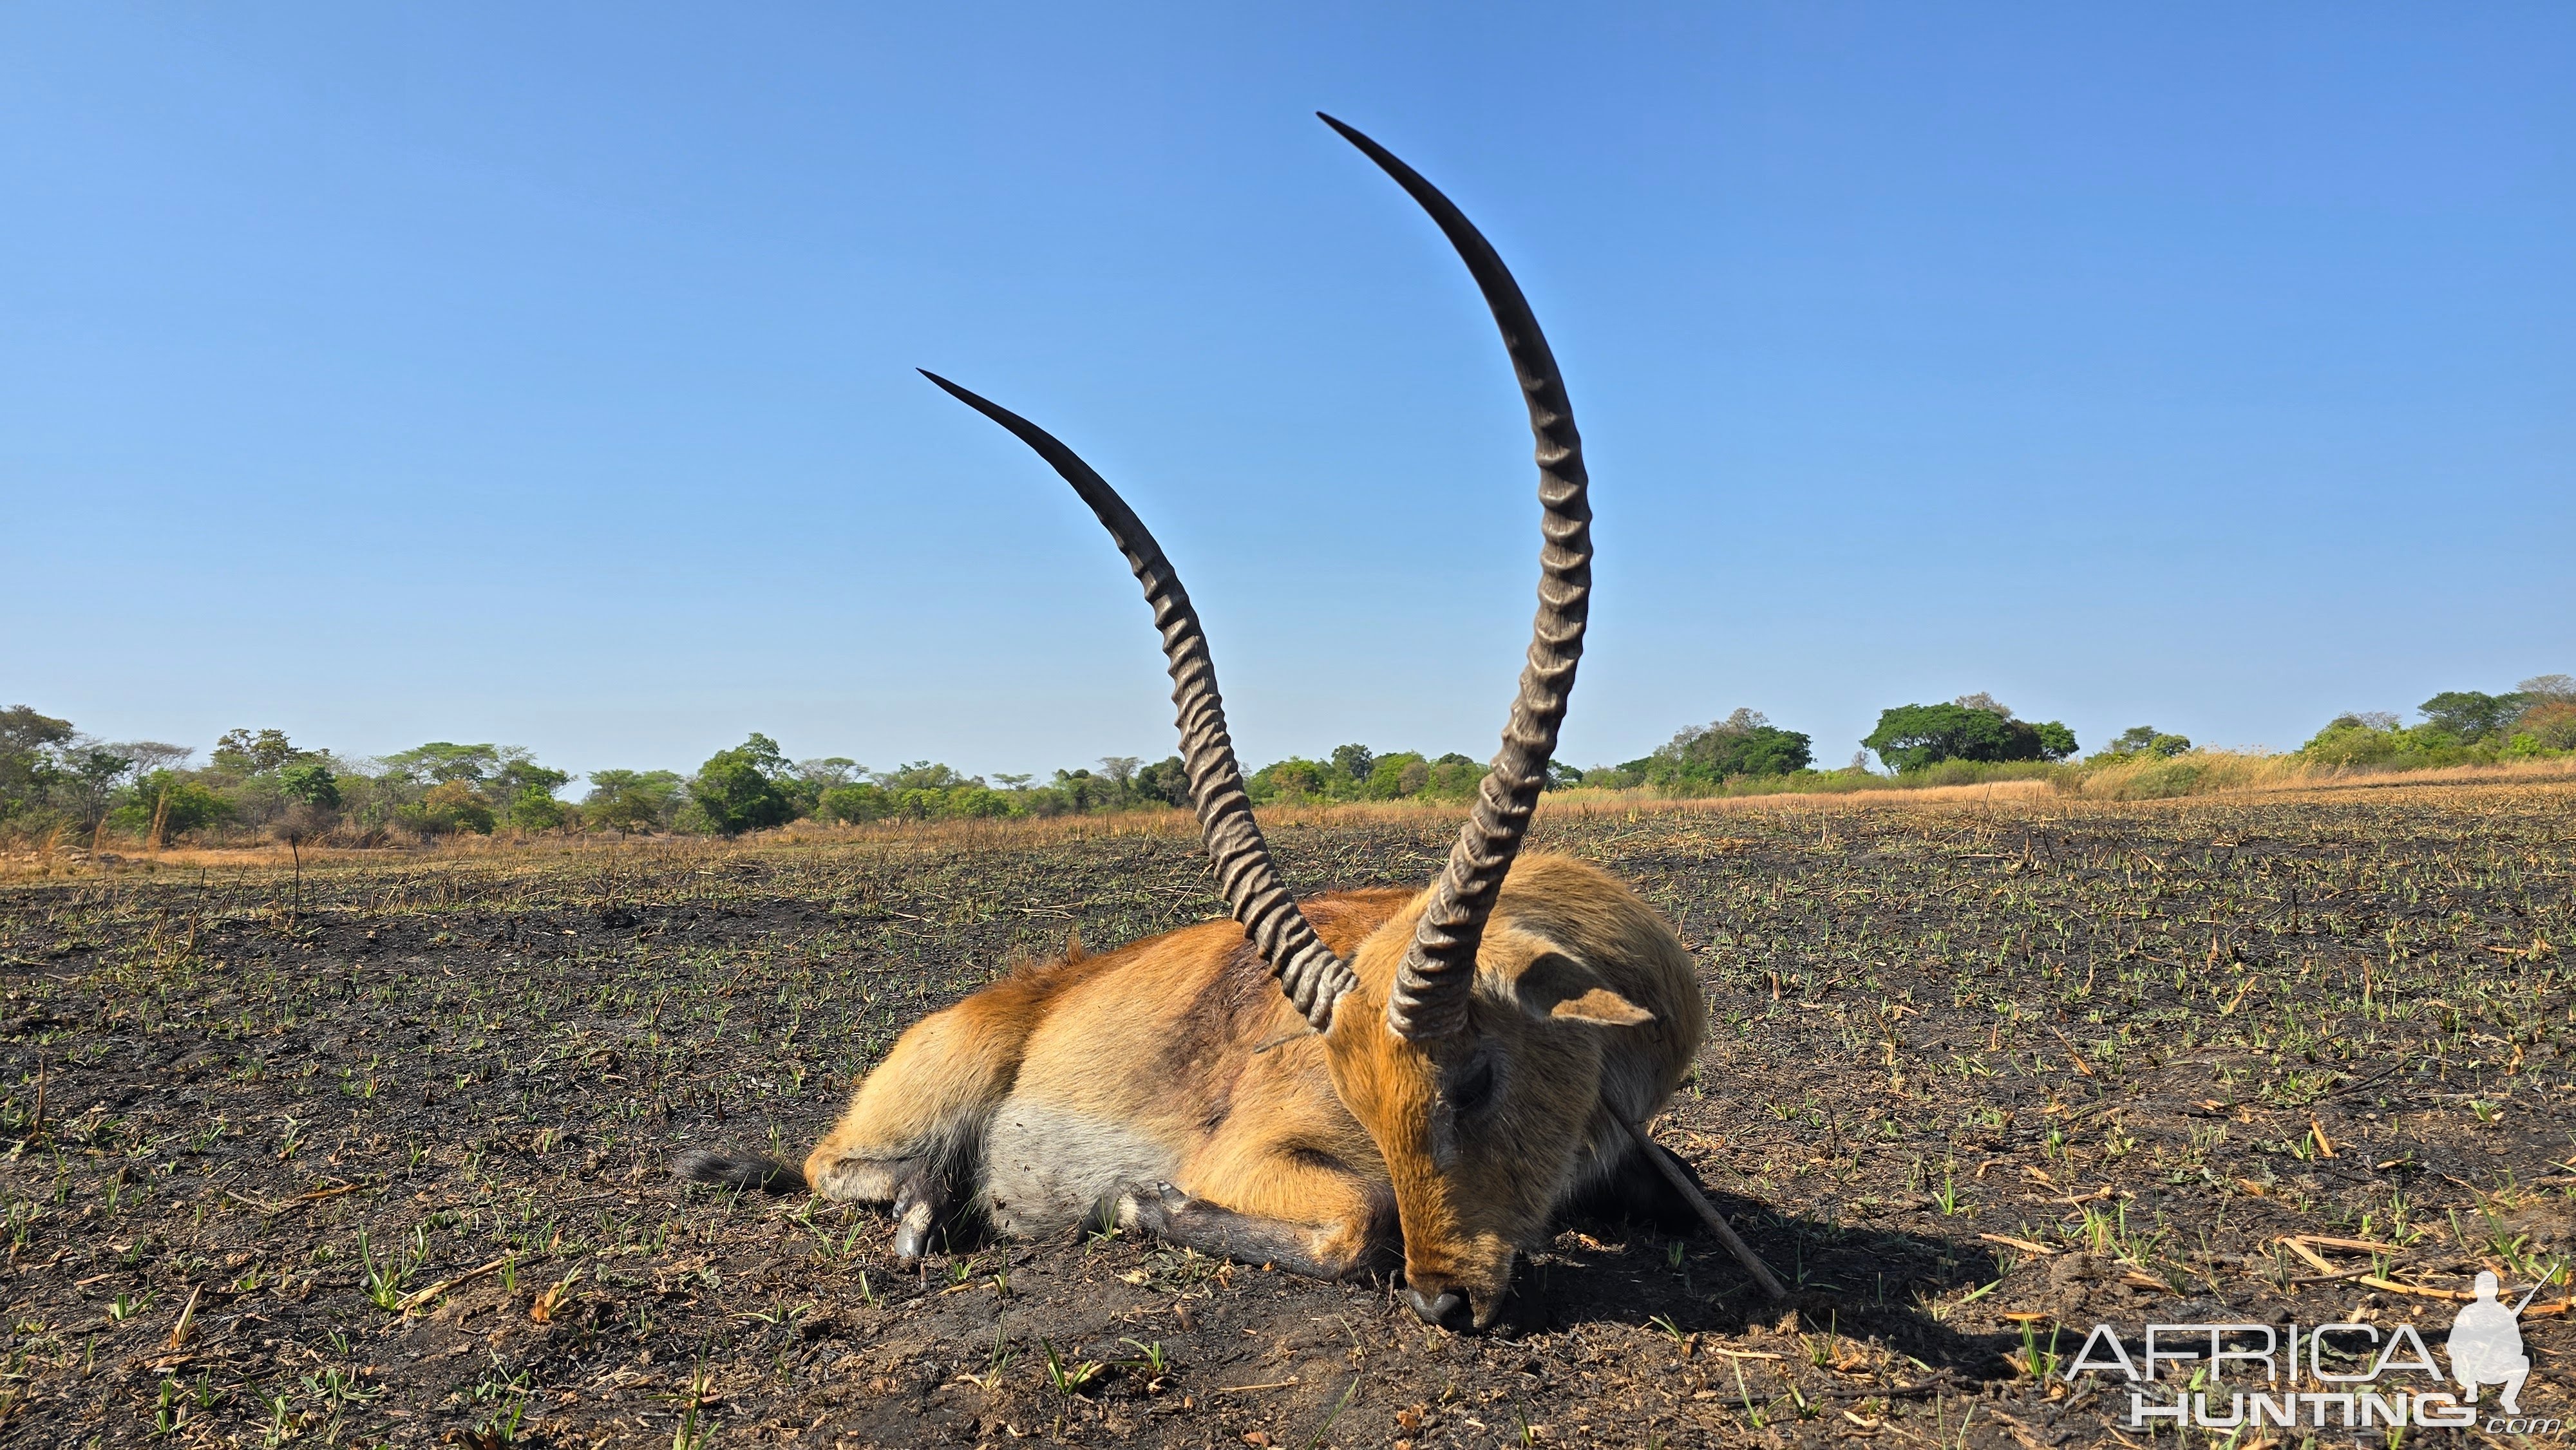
(1307, 970)
(1429, 999)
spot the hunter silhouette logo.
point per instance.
(2486, 1345)
(2358, 1375)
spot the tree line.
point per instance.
(57, 779)
(2459, 727)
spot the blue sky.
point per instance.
(544, 375)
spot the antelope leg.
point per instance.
(1320, 1251)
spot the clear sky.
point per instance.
(544, 374)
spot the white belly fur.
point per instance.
(1045, 1170)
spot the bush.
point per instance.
(853, 804)
(2143, 775)
(923, 791)
(448, 808)
(2374, 739)
(1971, 772)
(183, 805)
(2549, 726)
(960, 803)
(1290, 781)
(536, 809)
(2349, 740)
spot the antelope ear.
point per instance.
(1558, 987)
(1602, 1008)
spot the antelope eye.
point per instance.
(1474, 1085)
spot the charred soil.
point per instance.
(381, 1159)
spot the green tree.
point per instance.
(830, 771)
(736, 794)
(2472, 715)
(1119, 771)
(244, 753)
(1395, 776)
(87, 778)
(1166, 781)
(923, 775)
(536, 809)
(27, 763)
(632, 800)
(311, 794)
(2146, 740)
(1080, 789)
(312, 785)
(1974, 727)
(1745, 743)
(806, 781)
(1454, 777)
(519, 775)
(442, 761)
(1353, 762)
(765, 755)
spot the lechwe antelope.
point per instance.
(1327, 1083)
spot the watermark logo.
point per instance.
(2386, 1378)
(2486, 1345)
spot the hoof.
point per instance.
(1150, 1209)
(912, 1233)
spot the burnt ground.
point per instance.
(386, 1164)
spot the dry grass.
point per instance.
(2219, 772)
(511, 850)
(2202, 773)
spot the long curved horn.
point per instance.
(1308, 972)
(1430, 995)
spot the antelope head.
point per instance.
(1472, 1057)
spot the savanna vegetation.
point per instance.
(68, 790)
(379, 1157)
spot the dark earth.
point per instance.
(381, 1158)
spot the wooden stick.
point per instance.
(419, 1297)
(1708, 1213)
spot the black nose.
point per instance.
(1435, 1310)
